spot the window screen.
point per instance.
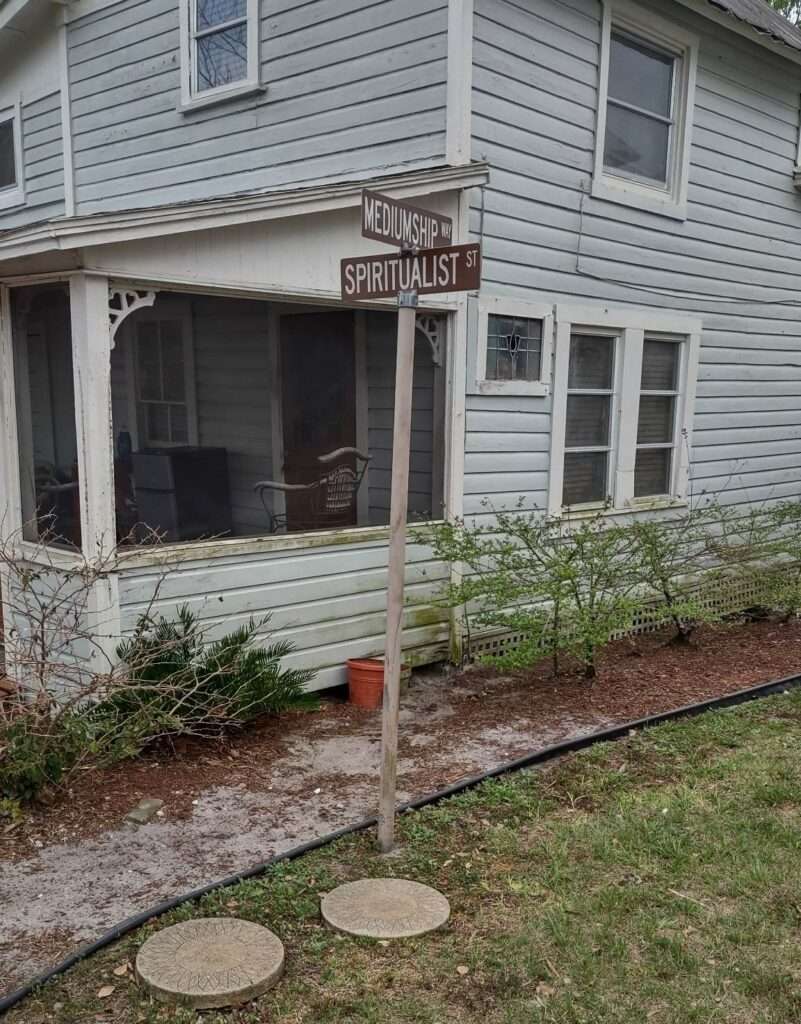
(514, 348)
(640, 110)
(656, 423)
(588, 428)
(8, 161)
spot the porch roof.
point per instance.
(70, 233)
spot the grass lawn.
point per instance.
(652, 881)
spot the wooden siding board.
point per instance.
(734, 261)
(346, 91)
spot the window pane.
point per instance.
(157, 423)
(8, 170)
(640, 75)
(514, 348)
(148, 366)
(222, 58)
(636, 144)
(585, 477)
(172, 357)
(652, 471)
(656, 420)
(591, 362)
(660, 365)
(215, 12)
(179, 433)
(587, 421)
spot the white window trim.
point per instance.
(15, 195)
(631, 326)
(500, 306)
(672, 201)
(191, 98)
(167, 309)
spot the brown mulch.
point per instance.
(636, 678)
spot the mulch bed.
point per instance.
(636, 678)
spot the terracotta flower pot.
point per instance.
(366, 681)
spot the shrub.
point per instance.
(563, 589)
(170, 682)
(179, 684)
(783, 583)
(668, 557)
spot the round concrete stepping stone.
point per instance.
(385, 908)
(210, 963)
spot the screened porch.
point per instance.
(229, 418)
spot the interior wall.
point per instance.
(381, 346)
(230, 344)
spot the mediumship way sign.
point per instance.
(456, 268)
(403, 225)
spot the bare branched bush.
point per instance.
(85, 695)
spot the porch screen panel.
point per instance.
(45, 398)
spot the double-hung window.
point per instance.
(589, 421)
(163, 372)
(656, 421)
(220, 42)
(11, 178)
(624, 388)
(645, 110)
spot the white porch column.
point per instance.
(91, 362)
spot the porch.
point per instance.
(226, 452)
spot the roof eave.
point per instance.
(706, 9)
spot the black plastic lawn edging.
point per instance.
(538, 757)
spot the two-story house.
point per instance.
(179, 180)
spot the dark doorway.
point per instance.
(318, 398)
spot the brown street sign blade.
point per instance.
(401, 224)
(455, 269)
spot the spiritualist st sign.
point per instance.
(456, 268)
(403, 225)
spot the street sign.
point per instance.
(403, 225)
(455, 269)
(426, 264)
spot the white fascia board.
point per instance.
(742, 28)
(105, 229)
(10, 9)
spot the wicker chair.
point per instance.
(330, 499)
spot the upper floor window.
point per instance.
(645, 110)
(11, 190)
(220, 49)
(624, 390)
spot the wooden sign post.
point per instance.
(412, 272)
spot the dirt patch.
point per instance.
(74, 868)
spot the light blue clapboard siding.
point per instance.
(735, 262)
(350, 88)
(381, 348)
(330, 601)
(43, 158)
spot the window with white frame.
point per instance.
(514, 346)
(624, 387)
(644, 119)
(162, 392)
(656, 420)
(589, 419)
(220, 48)
(11, 184)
